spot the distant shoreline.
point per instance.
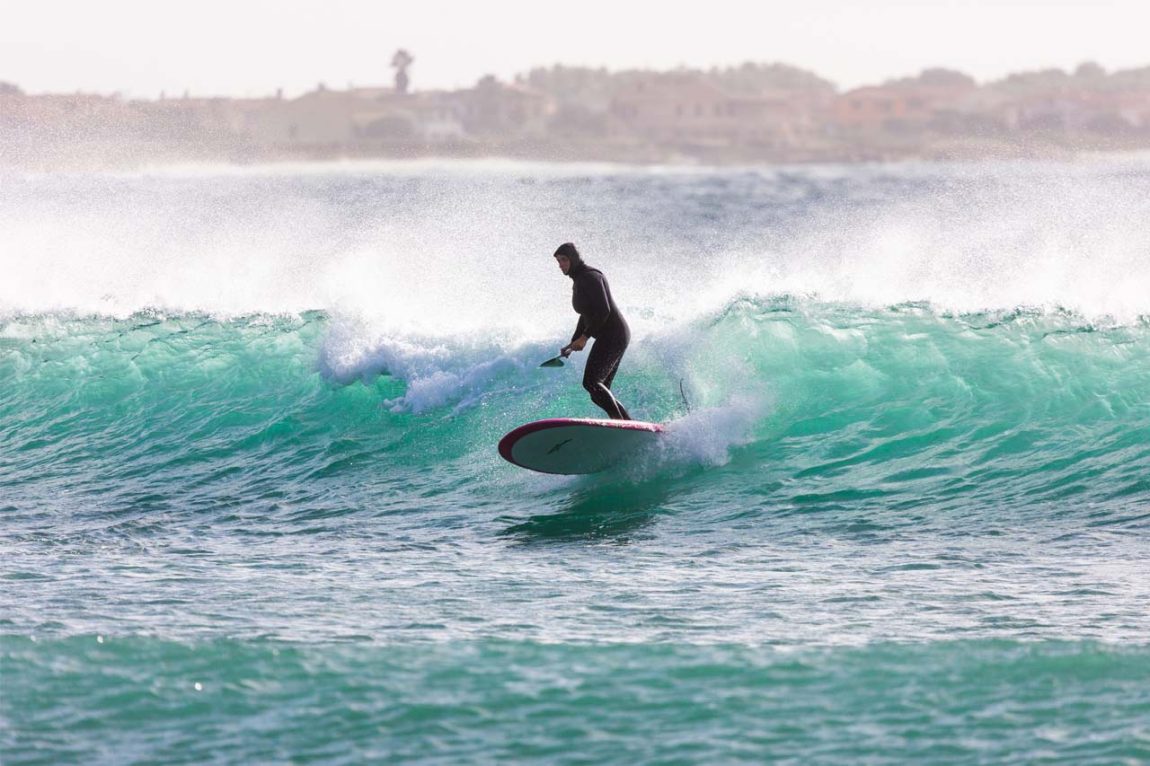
(754, 113)
(130, 161)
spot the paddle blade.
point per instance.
(556, 362)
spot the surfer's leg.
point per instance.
(620, 344)
(602, 364)
(623, 414)
(607, 381)
(603, 397)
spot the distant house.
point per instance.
(687, 109)
(903, 105)
(1078, 111)
(386, 114)
(188, 119)
(1133, 108)
(335, 120)
(325, 118)
(440, 117)
(247, 118)
(493, 108)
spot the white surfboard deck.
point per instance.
(576, 445)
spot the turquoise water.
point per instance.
(500, 701)
(253, 512)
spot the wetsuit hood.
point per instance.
(577, 269)
(569, 251)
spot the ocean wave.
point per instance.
(94, 698)
(845, 406)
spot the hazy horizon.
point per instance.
(251, 49)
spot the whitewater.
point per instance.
(251, 508)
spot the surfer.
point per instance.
(599, 318)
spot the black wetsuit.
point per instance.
(599, 318)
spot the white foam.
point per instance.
(437, 371)
(1075, 241)
(453, 249)
(706, 435)
(440, 387)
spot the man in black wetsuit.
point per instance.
(599, 318)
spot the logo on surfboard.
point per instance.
(559, 446)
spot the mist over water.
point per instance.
(247, 465)
(451, 248)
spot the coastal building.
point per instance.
(934, 98)
(326, 120)
(419, 118)
(440, 117)
(1133, 108)
(320, 118)
(1072, 112)
(687, 109)
(746, 113)
(493, 108)
(188, 120)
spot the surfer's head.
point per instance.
(568, 257)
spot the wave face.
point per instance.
(247, 465)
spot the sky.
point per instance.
(140, 48)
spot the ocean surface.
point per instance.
(251, 508)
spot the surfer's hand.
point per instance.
(575, 345)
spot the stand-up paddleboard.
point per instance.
(576, 445)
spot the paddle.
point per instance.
(555, 362)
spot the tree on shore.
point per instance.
(592, 89)
(753, 79)
(400, 62)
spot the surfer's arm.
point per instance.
(575, 345)
(580, 329)
(599, 310)
(578, 340)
